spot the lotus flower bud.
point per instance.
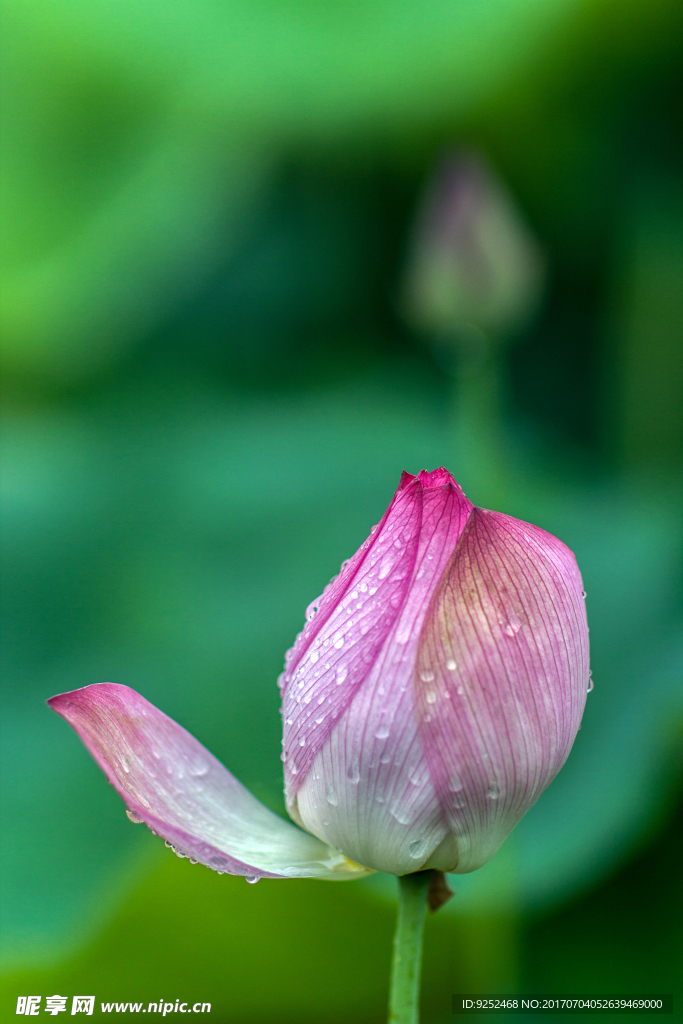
(435, 691)
(473, 260)
(437, 686)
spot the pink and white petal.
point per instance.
(369, 785)
(183, 793)
(349, 634)
(339, 644)
(501, 677)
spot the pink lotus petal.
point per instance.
(368, 783)
(171, 782)
(501, 677)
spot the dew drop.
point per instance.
(591, 684)
(493, 791)
(169, 844)
(427, 675)
(132, 816)
(418, 848)
(404, 815)
(382, 732)
(419, 775)
(583, 594)
(451, 665)
(314, 657)
(181, 855)
(430, 696)
(512, 626)
(302, 741)
(339, 643)
(353, 772)
(198, 769)
(379, 797)
(251, 879)
(331, 794)
(193, 860)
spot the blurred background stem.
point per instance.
(478, 433)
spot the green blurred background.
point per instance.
(211, 385)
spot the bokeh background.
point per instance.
(221, 348)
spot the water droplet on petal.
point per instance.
(512, 626)
(451, 665)
(404, 815)
(313, 657)
(418, 848)
(427, 675)
(169, 844)
(353, 772)
(341, 674)
(251, 879)
(382, 732)
(493, 791)
(591, 684)
(132, 816)
(430, 696)
(420, 775)
(331, 794)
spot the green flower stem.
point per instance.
(405, 969)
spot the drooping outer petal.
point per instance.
(170, 781)
(501, 677)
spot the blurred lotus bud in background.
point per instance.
(474, 278)
(473, 261)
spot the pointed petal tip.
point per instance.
(429, 478)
